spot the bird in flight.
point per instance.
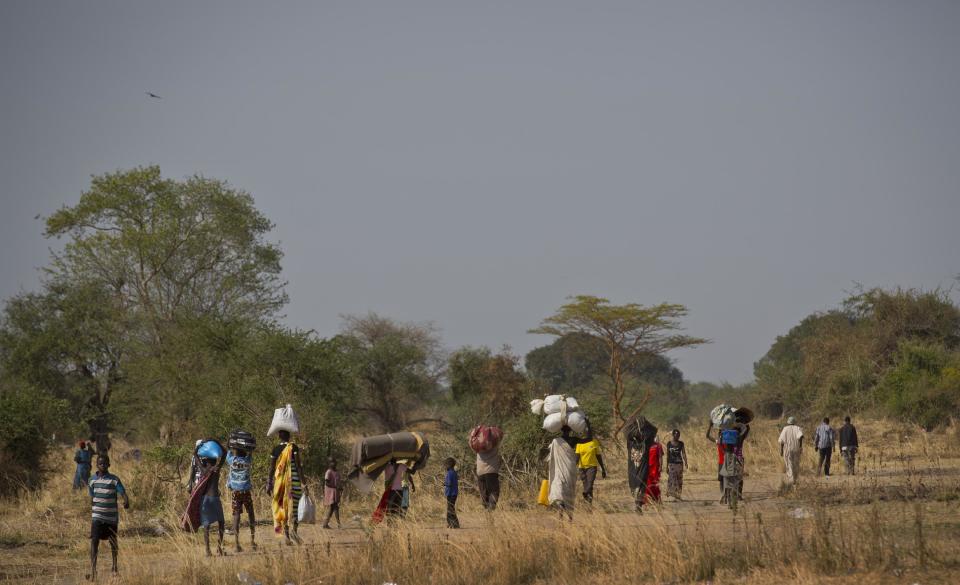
(153, 95)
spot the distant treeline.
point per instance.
(158, 322)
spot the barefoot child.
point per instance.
(331, 492)
(104, 488)
(211, 510)
(242, 493)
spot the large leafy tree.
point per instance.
(628, 333)
(146, 259)
(398, 368)
(491, 386)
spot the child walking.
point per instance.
(240, 462)
(331, 492)
(211, 510)
(104, 489)
(451, 488)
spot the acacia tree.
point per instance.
(628, 333)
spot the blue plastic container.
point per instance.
(210, 450)
(729, 436)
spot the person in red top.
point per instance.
(656, 467)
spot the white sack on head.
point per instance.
(284, 419)
(721, 415)
(577, 423)
(572, 403)
(553, 404)
(536, 406)
(553, 423)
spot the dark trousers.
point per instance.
(588, 476)
(452, 520)
(824, 464)
(489, 484)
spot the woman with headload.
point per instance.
(640, 435)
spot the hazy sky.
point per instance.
(473, 163)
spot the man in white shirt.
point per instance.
(791, 446)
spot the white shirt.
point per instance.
(790, 438)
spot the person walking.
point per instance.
(285, 486)
(104, 488)
(590, 457)
(241, 489)
(451, 489)
(211, 509)
(824, 440)
(488, 477)
(676, 464)
(83, 458)
(849, 445)
(332, 490)
(791, 447)
(656, 469)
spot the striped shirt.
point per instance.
(103, 490)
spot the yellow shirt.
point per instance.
(588, 453)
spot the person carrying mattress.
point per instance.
(285, 485)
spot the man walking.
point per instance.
(849, 445)
(791, 446)
(488, 477)
(824, 440)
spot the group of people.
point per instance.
(285, 486)
(568, 458)
(825, 441)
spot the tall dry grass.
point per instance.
(898, 517)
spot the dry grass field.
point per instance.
(896, 521)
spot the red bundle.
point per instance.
(484, 438)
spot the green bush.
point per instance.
(923, 385)
(27, 420)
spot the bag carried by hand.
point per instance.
(284, 419)
(306, 511)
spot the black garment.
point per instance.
(588, 476)
(824, 463)
(848, 436)
(395, 503)
(452, 520)
(103, 530)
(275, 454)
(489, 485)
(675, 452)
(213, 484)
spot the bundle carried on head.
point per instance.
(241, 440)
(484, 439)
(724, 415)
(209, 449)
(370, 455)
(284, 419)
(640, 430)
(560, 411)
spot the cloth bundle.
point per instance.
(484, 439)
(724, 415)
(370, 455)
(242, 441)
(560, 410)
(284, 419)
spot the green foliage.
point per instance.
(398, 367)
(27, 420)
(878, 351)
(626, 333)
(490, 387)
(923, 385)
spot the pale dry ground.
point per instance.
(897, 521)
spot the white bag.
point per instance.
(572, 403)
(553, 404)
(536, 406)
(577, 423)
(284, 419)
(553, 423)
(306, 511)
